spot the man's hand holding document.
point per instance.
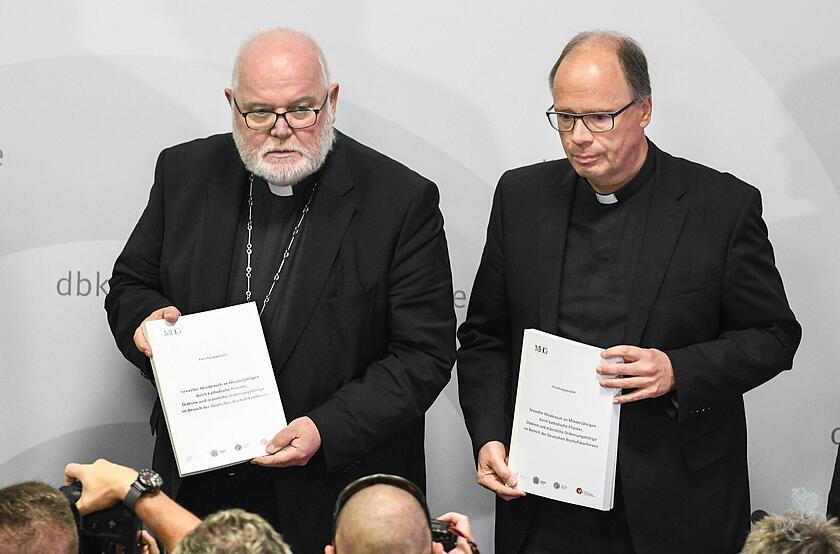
(565, 426)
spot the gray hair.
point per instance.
(793, 533)
(234, 531)
(322, 60)
(630, 57)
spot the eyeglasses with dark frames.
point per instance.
(596, 122)
(298, 118)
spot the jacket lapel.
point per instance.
(665, 222)
(553, 224)
(219, 233)
(331, 212)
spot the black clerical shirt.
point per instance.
(273, 218)
(601, 255)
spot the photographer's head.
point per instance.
(794, 533)
(381, 514)
(235, 531)
(35, 517)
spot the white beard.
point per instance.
(311, 158)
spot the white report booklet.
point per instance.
(216, 385)
(565, 426)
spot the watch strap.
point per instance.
(148, 481)
(133, 495)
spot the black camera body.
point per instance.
(111, 531)
(441, 534)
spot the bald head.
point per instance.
(277, 72)
(281, 51)
(382, 519)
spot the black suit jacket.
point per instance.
(706, 291)
(833, 508)
(369, 342)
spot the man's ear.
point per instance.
(333, 96)
(647, 111)
(329, 549)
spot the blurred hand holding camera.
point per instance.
(103, 484)
(459, 526)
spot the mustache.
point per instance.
(275, 147)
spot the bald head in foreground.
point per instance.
(379, 520)
(344, 253)
(381, 513)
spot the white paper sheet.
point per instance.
(217, 387)
(565, 427)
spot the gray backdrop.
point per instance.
(91, 91)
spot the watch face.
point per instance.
(150, 479)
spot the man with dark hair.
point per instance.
(344, 251)
(35, 517)
(658, 260)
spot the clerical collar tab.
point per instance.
(281, 190)
(606, 198)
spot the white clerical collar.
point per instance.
(281, 190)
(606, 198)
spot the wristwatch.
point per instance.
(148, 481)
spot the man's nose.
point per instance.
(580, 133)
(281, 128)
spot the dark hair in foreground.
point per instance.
(35, 517)
(630, 56)
(235, 531)
(793, 533)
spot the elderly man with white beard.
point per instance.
(344, 252)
